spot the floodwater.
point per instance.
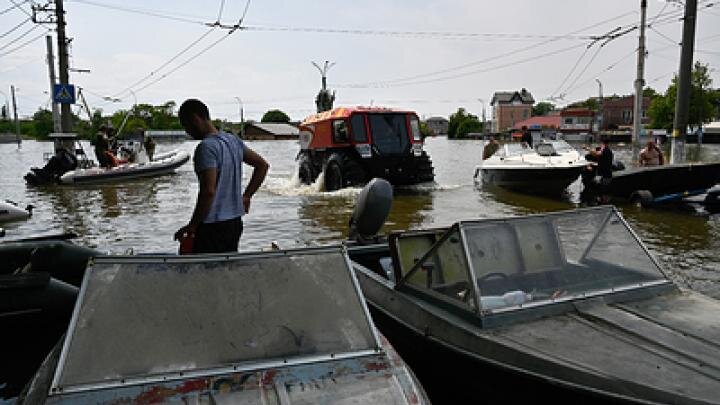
(142, 215)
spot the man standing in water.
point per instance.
(216, 223)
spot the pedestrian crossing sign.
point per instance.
(64, 93)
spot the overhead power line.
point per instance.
(13, 7)
(149, 13)
(15, 28)
(24, 44)
(17, 39)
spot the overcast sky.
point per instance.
(396, 53)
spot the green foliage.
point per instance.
(42, 123)
(275, 116)
(469, 126)
(457, 119)
(542, 108)
(425, 130)
(703, 101)
(650, 92)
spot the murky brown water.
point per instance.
(143, 214)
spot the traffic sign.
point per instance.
(64, 93)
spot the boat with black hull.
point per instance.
(517, 167)
(568, 305)
(657, 184)
(280, 327)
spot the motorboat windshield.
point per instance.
(514, 149)
(491, 266)
(139, 318)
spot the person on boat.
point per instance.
(149, 145)
(490, 148)
(216, 223)
(526, 137)
(651, 155)
(102, 144)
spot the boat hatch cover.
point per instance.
(152, 318)
(489, 267)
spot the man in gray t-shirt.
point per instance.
(216, 223)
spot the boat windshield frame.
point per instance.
(514, 149)
(374, 347)
(480, 305)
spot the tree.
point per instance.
(275, 116)
(457, 119)
(542, 108)
(42, 123)
(702, 100)
(468, 126)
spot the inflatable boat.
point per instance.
(11, 211)
(162, 164)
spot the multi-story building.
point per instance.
(576, 120)
(510, 107)
(617, 113)
(438, 125)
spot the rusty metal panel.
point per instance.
(151, 317)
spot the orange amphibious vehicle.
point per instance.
(353, 145)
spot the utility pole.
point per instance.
(51, 68)
(682, 103)
(639, 83)
(600, 106)
(17, 123)
(65, 114)
(242, 118)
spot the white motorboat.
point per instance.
(162, 164)
(11, 211)
(546, 170)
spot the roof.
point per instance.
(504, 97)
(577, 112)
(276, 128)
(440, 119)
(344, 112)
(545, 121)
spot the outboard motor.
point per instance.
(63, 161)
(712, 200)
(371, 210)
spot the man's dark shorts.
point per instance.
(218, 237)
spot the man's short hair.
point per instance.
(193, 106)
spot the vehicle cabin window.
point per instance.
(359, 132)
(339, 131)
(415, 127)
(389, 133)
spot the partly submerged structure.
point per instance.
(571, 301)
(284, 327)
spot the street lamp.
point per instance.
(483, 116)
(242, 117)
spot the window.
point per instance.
(339, 131)
(357, 124)
(627, 116)
(389, 133)
(415, 127)
(568, 121)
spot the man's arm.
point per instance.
(260, 168)
(206, 195)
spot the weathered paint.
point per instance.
(320, 376)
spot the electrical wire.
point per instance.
(15, 28)
(390, 82)
(175, 57)
(587, 65)
(168, 62)
(570, 73)
(143, 12)
(24, 44)
(33, 28)
(18, 6)
(13, 7)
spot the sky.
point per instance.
(428, 56)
